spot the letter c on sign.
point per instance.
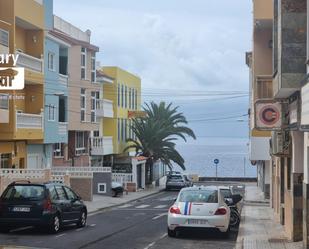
(269, 115)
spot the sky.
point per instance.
(186, 52)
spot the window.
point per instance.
(118, 95)
(5, 161)
(101, 188)
(51, 109)
(135, 99)
(80, 145)
(126, 97)
(203, 196)
(58, 150)
(71, 195)
(83, 63)
(4, 101)
(4, 38)
(119, 129)
(93, 107)
(93, 71)
(53, 193)
(51, 61)
(61, 194)
(83, 105)
(122, 100)
(130, 103)
(96, 133)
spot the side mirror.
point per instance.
(236, 198)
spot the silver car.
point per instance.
(175, 182)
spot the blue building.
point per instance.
(55, 98)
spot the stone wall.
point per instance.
(83, 187)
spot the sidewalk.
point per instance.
(101, 202)
(257, 228)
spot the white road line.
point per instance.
(60, 235)
(153, 243)
(125, 206)
(93, 225)
(164, 235)
(21, 229)
(150, 245)
(142, 206)
(161, 206)
(159, 216)
(79, 229)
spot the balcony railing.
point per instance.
(63, 79)
(122, 177)
(39, 1)
(104, 108)
(30, 62)
(264, 87)
(29, 121)
(96, 144)
(108, 145)
(62, 128)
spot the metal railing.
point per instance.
(122, 177)
(63, 79)
(62, 128)
(29, 62)
(96, 145)
(29, 121)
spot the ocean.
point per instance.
(232, 154)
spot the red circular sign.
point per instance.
(269, 115)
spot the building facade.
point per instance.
(22, 33)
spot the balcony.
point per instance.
(62, 128)
(108, 145)
(263, 10)
(63, 79)
(29, 62)
(96, 145)
(29, 121)
(264, 87)
(4, 108)
(104, 108)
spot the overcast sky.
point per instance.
(196, 45)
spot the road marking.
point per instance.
(153, 243)
(79, 229)
(160, 206)
(159, 216)
(150, 245)
(164, 235)
(125, 206)
(93, 225)
(21, 229)
(142, 206)
(60, 235)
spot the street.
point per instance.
(140, 224)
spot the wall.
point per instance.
(102, 178)
(83, 187)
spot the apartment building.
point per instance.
(22, 117)
(259, 62)
(83, 92)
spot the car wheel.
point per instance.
(234, 219)
(5, 229)
(171, 233)
(55, 224)
(82, 219)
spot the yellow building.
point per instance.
(21, 111)
(124, 94)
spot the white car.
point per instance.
(199, 207)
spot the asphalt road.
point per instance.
(137, 225)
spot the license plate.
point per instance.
(197, 222)
(21, 209)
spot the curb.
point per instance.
(241, 228)
(99, 210)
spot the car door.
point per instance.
(64, 204)
(76, 204)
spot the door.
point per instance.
(34, 161)
(76, 204)
(64, 204)
(139, 175)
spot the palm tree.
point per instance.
(156, 135)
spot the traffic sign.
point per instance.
(216, 161)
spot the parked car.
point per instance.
(175, 182)
(188, 182)
(198, 207)
(117, 189)
(48, 205)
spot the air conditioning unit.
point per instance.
(280, 144)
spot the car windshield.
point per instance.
(175, 178)
(21, 192)
(226, 193)
(207, 196)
